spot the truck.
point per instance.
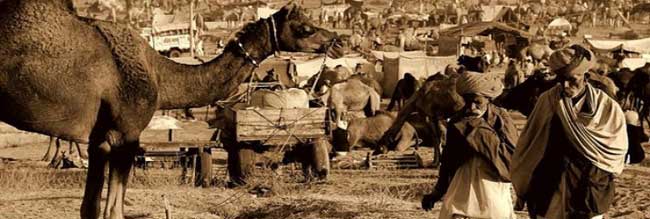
(170, 40)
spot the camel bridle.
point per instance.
(275, 45)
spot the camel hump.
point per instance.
(129, 52)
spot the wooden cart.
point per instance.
(276, 131)
(280, 127)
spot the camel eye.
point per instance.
(306, 30)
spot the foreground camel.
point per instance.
(100, 83)
(436, 99)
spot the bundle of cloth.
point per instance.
(279, 99)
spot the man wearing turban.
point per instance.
(475, 173)
(573, 144)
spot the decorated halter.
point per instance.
(275, 45)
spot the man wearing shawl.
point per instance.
(572, 146)
(475, 172)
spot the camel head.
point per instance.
(524, 96)
(439, 98)
(296, 33)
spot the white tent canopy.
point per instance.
(265, 12)
(641, 46)
(560, 24)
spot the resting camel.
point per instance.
(436, 99)
(99, 83)
(351, 95)
(368, 131)
(56, 142)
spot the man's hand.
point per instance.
(428, 201)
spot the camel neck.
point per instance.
(183, 86)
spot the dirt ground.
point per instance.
(28, 189)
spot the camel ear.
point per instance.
(291, 8)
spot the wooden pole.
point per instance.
(184, 164)
(193, 168)
(205, 168)
(168, 209)
(192, 25)
(207, 112)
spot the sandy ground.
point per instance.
(29, 190)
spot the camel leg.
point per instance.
(90, 207)
(441, 133)
(406, 138)
(56, 152)
(48, 154)
(120, 162)
(70, 148)
(82, 153)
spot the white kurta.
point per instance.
(475, 192)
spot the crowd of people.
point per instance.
(562, 165)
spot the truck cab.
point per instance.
(171, 40)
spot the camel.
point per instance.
(404, 89)
(328, 77)
(351, 95)
(99, 83)
(368, 80)
(436, 99)
(523, 97)
(368, 132)
(352, 15)
(56, 142)
(475, 63)
(538, 51)
(639, 85)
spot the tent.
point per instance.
(265, 12)
(483, 28)
(494, 12)
(560, 24)
(634, 63)
(641, 46)
(305, 69)
(421, 66)
(355, 3)
(509, 37)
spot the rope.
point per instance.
(230, 198)
(285, 127)
(322, 66)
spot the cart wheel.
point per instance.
(241, 163)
